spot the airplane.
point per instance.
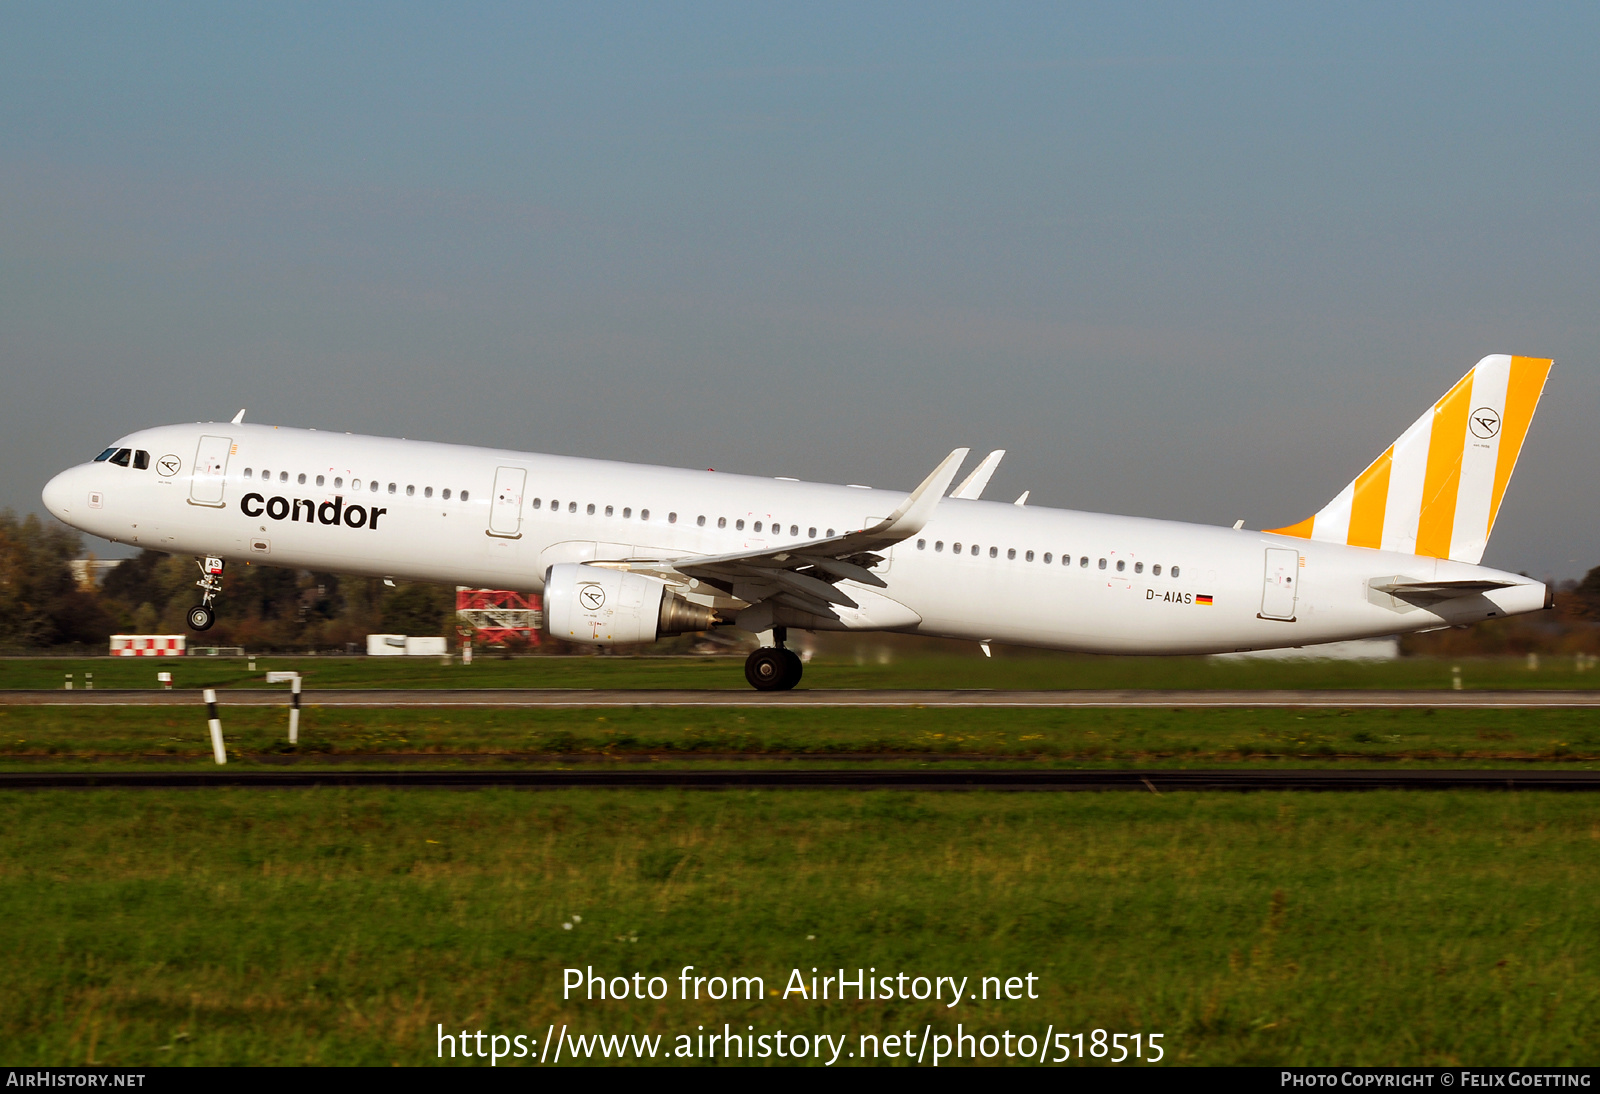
(629, 553)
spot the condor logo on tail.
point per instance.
(1437, 490)
(329, 512)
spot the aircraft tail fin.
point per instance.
(1437, 490)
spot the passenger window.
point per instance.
(994, 552)
(572, 507)
(427, 491)
(1083, 563)
(811, 533)
(106, 455)
(373, 485)
(302, 481)
(1029, 557)
(739, 524)
(922, 545)
(974, 548)
(1156, 570)
(1122, 564)
(758, 526)
(463, 495)
(338, 482)
(672, 518)
(1102, 564)
(247, 473)
(609, 510)
(320, 480)
(266, 476)
(794, 529)
(722, 522)
(1011, 554)
(700, 522)
(537, 502)
(355, 484)
(445, 493)
(644, 514)
(411, 491)
(955, 548)
(591, 509)
(626, 512)
(830, 533)
(1047, 558)
(938, 545)
(141, 460)
(392, 488)
(1138, 567)
(1174, 571)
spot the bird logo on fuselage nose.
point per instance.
(592, 597)
(168, 465)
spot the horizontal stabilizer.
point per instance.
(1440, 588)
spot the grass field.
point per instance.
(340, 926)
(1007, 670)
(72, 738)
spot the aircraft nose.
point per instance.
(59, 494)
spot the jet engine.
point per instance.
(601, 606)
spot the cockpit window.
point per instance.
(106, 455)
(141, 460)
(121, 458)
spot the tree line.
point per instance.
(43, 605)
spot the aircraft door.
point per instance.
(505, 506)
(210, 471)
(1279, 587)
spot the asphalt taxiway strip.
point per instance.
(571, 697)
(1148, 781)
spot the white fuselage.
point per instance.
(1040, 577)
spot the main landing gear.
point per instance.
(774, 668)
(202, 615)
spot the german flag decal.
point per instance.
(1202, 598)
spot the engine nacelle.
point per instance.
(602, 607)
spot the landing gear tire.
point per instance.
(201, 617)
(771, 668)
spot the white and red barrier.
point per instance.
(148, 645)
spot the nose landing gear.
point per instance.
(774, 668)
(202, 615)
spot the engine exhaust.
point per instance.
(678, 616)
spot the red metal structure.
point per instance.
(497, 616)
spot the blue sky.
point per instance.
(1195, 261)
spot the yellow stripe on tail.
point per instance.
(1437, 490)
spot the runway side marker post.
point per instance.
(216, 726)
(293, 680)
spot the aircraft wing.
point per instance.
(972, 486)
(806, 575)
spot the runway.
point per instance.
(556, 698)
(1148, 781)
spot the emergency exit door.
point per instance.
(210, 471)
(505, 506)
(1279, 587)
